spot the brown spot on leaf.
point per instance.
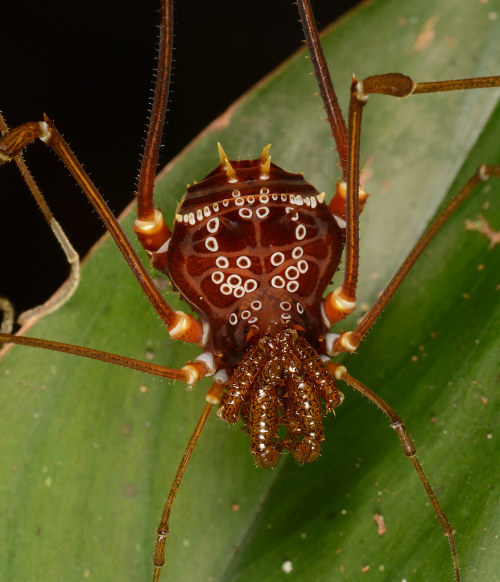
(482, 226)
(379, 520)
(129, 490)
(426, 35)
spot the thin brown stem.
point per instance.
(324, 81)
(163, 528)
(145, 183)
(411, 452)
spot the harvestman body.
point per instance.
(252, 251)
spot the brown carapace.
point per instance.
(252, 251)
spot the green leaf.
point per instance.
(89, 451)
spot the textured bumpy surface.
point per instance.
(247, 251)
(279, 383)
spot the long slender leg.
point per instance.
(66, 291)
(349, 341)
(410, 451)
(324, 81)
(145, 182)
(162, 532)
(180, 325)
(190, 373)
(341, 302)
(150, 227)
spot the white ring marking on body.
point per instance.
(300, 232)
(213, 225)
(278, 282)
(277, 258)
(250, 285)
(234, 281)
(212, 244)
(243, 262)
(222, 262)
(217, 277)
(303, 266)
(292, 273)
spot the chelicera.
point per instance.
(252, 251)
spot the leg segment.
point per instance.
(342, 301)
(324, 80)
(213, 395)
(145, 183)
(180, 325)
(190, 373)
(66, 291)
(349, 341)
(410, 451)
(151, 230)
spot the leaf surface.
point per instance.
(89, 450)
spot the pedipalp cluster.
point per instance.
(280, 383)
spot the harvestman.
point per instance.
(252, 250)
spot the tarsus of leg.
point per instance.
(410, 451)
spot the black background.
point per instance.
(88, 65)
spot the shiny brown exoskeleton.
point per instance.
(252, 251)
